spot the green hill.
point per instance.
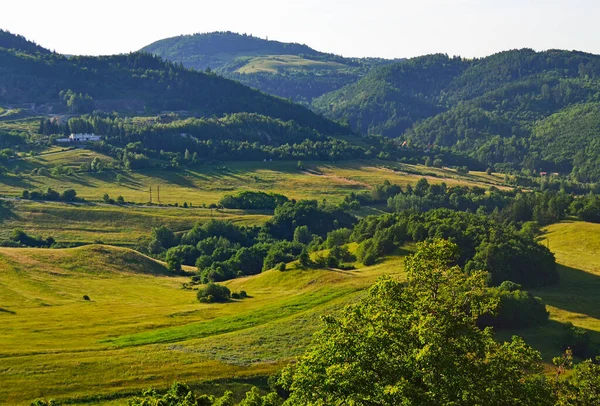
(488, 109)
(20, 43)
(137, 82)
(288, 70)
(141, 329)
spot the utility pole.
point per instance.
(150, 194)
(158, 193)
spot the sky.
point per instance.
(353, 28)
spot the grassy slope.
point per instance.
(575, 299)
(141, 329)
(277, 63)
(208, 183)
(110, 224)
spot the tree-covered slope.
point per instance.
(487, 109)
(284, 69)
(18, 42)
(215, 50)
(571, 138)
(137, 82)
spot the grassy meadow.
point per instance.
(278, 63)
(575, 298)
(141, 329)
(206, 184)
(110, 224)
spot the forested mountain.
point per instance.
(136, 82)
(284, 69)
(20, 43)
(514, 109)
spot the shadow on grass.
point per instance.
(17, 181)
(577, 292)
(545, 338)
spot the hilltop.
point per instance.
(499, 110)
(288, 70)
(9, 40)
(133, 83)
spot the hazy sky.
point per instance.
(385, 28)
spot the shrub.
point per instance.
(86, 297)
(239, 295)
(281, 266)
(214, 293)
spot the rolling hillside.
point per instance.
(141, 329)
(488, 108)
(287, 70)
(136, 82)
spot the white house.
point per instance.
(84, 137)
(79, 138)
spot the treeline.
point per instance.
(222, 250)
(505, 206)
(140, 82)
(249, 200)
(483, 243)
(515, 110)
(68, 195)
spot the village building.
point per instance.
(80, 138)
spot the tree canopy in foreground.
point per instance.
(417, 343)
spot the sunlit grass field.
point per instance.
(576, 298)
(141, 329)
(206, 184)
(110, 224)
(277, 63)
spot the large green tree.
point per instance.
(417, 343)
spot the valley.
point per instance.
(220, 212)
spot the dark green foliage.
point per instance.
(239, 295)
(164, 236)
(516, 109)
(338, 237)
(68, 195)
(578, 340)
(302, 235)
(139, 81)
(213, 292)
(282, 251)
(320, 219)
(181, 255)
(516, 309)
(218, 228)
(9, 40)
(583, 387)
(417, 343)
(484, 244)
(20, 237)
(44, 402)
(225, 52)
(247, 200)
(587, 208)
(180, 395)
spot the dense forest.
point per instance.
(238, 56)
(20, 43)
(136, 82)
(517, 109)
